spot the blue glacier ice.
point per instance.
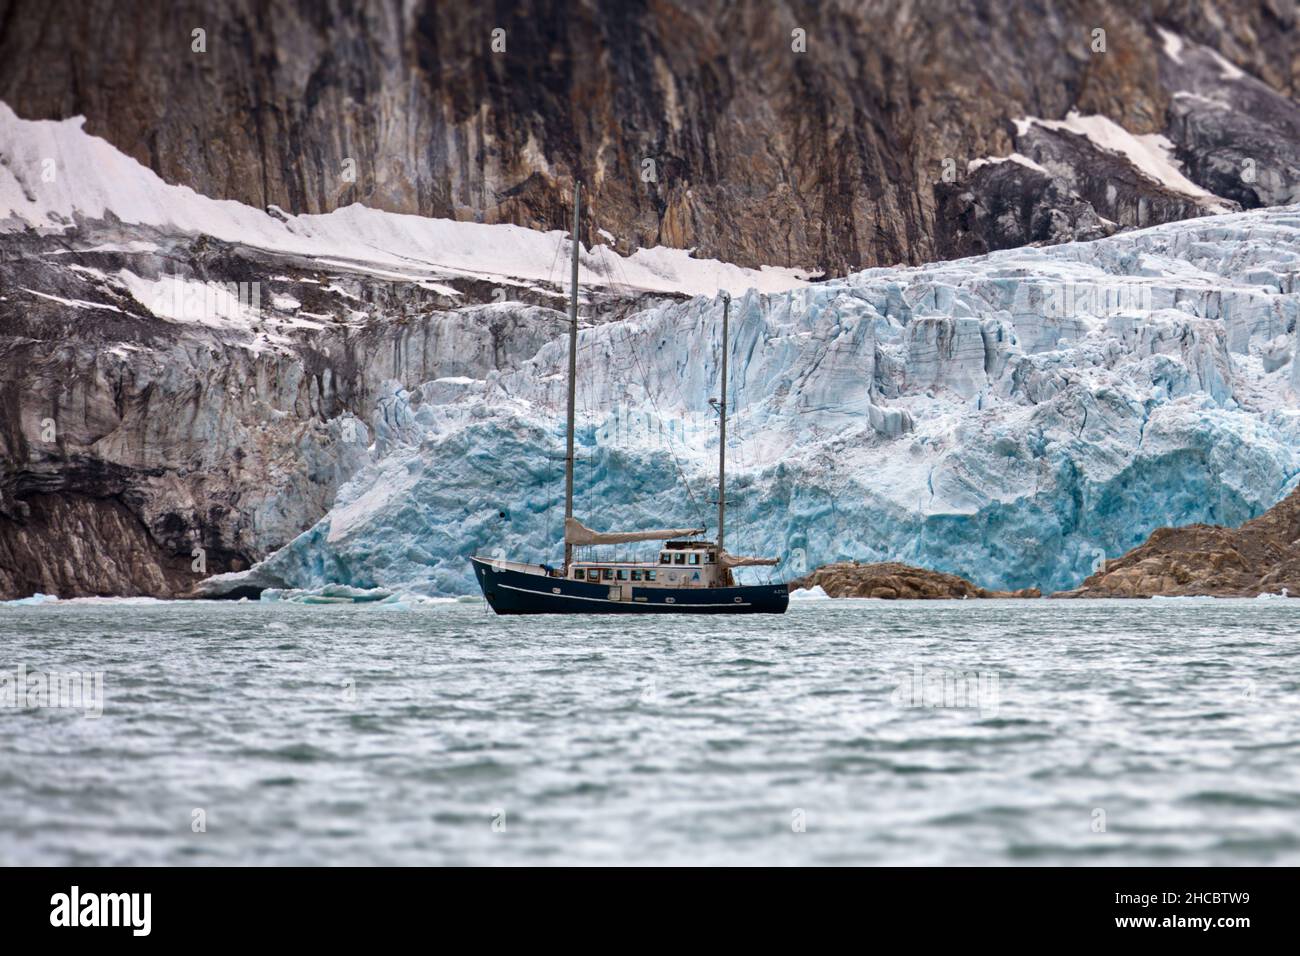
(1013, 418)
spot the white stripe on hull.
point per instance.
(578, 597)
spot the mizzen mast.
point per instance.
(573, 375)
(722, 428)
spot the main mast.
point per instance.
(573, 376)
(722, 429)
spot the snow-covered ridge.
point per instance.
(1151, 154)
(52, 173)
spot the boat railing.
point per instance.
(501, 564)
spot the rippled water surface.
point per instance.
(441, 734)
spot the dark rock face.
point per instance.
(1008, 204)
(75, 544)
(1260, 557)
(890, 580)
(1235, 135)
(694, 124)
(1118, 192)
(132, 445)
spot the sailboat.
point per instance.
(688, 576)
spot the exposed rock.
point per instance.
(139, 454)
(1006, 204)
(1107, 181)
(1260, 557)
(1235, 135)
(827, 159)
(891, 580)
(73, 544)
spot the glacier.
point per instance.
(1015, 418)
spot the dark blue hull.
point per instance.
(510, 591)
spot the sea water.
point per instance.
(844, 732)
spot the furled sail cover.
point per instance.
(575, 532)
(739, 561)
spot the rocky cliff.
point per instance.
(829, 137)
(144, 450)
(1260, 557)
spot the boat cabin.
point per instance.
(680, 564)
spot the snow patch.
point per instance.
(1173, 44)
(1023, 160)
(1227, 71)
(73, 303)
(189, 300)
(1150, 154)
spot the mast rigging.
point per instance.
(573, 374)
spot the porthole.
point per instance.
(557, 591)
(669, 600)
(737, 600)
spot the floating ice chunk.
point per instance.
(331, 594)
(37, 598)
(808, 594)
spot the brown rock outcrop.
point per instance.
(1260, 557)
(891, 580)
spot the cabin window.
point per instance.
(608, 573)
(708, 557)
(636, 575)
(665, 558)
(622, 574)
(681, 557)
(579, 573)
(695, 557)
(593, 574)
(650, 575)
